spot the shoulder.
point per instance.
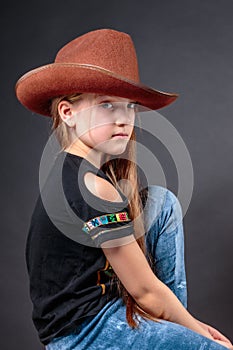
(101, 188)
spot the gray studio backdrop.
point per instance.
(184, 47)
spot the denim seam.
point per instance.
(162, 210)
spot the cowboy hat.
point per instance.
(102, 61)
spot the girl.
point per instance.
(105, 260)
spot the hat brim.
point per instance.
(37, 88)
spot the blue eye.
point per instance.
(131, 105)
(107, 105)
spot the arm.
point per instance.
(132, 268)
(154, 297)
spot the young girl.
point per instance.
(105, 260)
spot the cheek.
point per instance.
(131, 128)
(94, 136)
(101, 133)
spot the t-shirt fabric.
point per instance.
(70, 278)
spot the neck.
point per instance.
(79, 149)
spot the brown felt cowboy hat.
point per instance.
(102, 61)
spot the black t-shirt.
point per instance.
(70, 278)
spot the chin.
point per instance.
(116, 152)
(114, 149)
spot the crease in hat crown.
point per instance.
(104, 48)
(103, 61)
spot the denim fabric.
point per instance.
(165, 239)
(109, 328)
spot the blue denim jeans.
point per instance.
(165, 245)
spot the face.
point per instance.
(102, 124)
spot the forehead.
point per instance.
(111, 98)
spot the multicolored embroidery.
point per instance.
(105, 219)
(107, 270)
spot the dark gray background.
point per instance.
(183, 46)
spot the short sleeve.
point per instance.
(96, 220)
(109, 226)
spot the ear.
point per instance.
(65, 112)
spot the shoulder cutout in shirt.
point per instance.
(101, 188)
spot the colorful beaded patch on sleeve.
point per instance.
(104, 220)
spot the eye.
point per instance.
(107, 105)
(131, 105)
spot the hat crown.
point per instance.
(105, 48)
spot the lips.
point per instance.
(120, 134)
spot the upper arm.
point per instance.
(130, 265)
(124, 254)
(114, 226)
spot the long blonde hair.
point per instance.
(117, 169)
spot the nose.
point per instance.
(123, 114)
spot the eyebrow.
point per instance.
(105, 97)
(114, 98)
